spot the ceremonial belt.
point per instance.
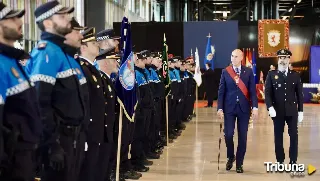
(238, 81)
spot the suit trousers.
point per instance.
(21, 168)
(154, 133)
(172, 105)
(278, 123)
(140, 142)
(242, 125)
(179, 112)
(103, 168)
(73, 160)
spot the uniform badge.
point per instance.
(15, 72)
(109, 88)
(42, 45)
(237, 79)
(94, 78)
(78, 71)
(276, 77)
(279, 85)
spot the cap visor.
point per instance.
(79, 28)
(65, 10)
(116, 37)
(15, 13)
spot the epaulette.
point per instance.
(42, 45)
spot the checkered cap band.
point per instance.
(49, 13)
(4, 12)
(103, 38)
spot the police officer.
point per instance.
(59, 80)
(143, 114)
(172, 99)
(180, 95)
(108, 64)
(149, 143)
(21, 125)
(89, 49)
(284, 100)
(190, 91)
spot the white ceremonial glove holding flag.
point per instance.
(272, 112)
(300, 117)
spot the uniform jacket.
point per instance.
(60, 83)
(95, 131)
(110, 98)
(229, 91)
(284, 94)
(144, 94)
(174, 84)
(19, 109)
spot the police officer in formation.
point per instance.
(19, 115)
(70, 115)
(284, 100)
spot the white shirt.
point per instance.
(286, 71)
(239, 69)
(87, 60)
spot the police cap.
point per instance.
(6, 12)
(108, 54)
(50, 8)
(284, 53)
(142, 55)
(156, 55)
(89, 35)
(145, 53)
(177, 58)
(106, 34)
(172, 60)
(75, 25)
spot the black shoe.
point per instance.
(158, 151)
(140, 168)
(239, 169)
(229, 164)
(292, 162)
(112, 176)
(172, 136)
(147, 162)
(133, 175)
(153, 156)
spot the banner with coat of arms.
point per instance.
(273, 35)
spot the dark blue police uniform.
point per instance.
(19, 114)
(60, 83)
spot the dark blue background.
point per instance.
(224, 37)
(315, 64)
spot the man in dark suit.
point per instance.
(284, 100)
(236, 96)
(209, 81)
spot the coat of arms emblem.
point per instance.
(126, 73)
(273, 38)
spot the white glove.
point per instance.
(86, 146)
(300, 117)
(272, 112)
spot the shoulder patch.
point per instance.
(42, 45)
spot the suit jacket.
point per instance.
(110, 98)
(95, 132)
(229, 91)
(284, 93)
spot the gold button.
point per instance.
(105, 114)
(106, 103)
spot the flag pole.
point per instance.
(119, 144)
(167, 119)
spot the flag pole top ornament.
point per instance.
(209, 36)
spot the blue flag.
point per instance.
(210, 53)
(254, 66)
(125, 82)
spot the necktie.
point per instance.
(284, 74)
(237, 71)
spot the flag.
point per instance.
(197, 73)
(243, 61)
(210, 53)
(249, 58)
(261, 78)
(125, 82)
(165, 68)
(254, 66)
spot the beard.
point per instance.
(11, 34)
(61, 30)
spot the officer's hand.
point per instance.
(56, 157)
(220, 114)
(254, 114)
(300, 117)
(272, 112)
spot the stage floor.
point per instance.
(193, 156)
